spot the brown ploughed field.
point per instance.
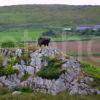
(88, 51)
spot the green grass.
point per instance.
(35, 19)
(94, 54)
(4, 91)
(20, 36)
(8, 44)
(75, 37)
(40, 96)
(25, 90)
(52, 70)
(8, 70)
(25, 77)
(91, 70)
(52, 15)
(32, 35)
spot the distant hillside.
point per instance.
(55, 15)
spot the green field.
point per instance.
(20, 35)
(40, 96)
(52, 15)
(75, 37)
(32, 35)
(27, 22)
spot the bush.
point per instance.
(8, 70)
(24, 77)
(12, 61)
(20, 44)
(7, 44)
(25, 89)
(32, 48)
(48, 33)
(52, 71)
(26, 57)
(91, 70)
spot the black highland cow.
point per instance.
(43, 41)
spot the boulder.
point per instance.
(18, 52)
(5, 62)
(30, 70)
(16, 93)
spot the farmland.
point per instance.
(52, 15)
(32, 35)
(86, 48)
(88, 51)
(20, 35)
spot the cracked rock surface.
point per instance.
(73, 79)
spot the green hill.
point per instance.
(55, 15)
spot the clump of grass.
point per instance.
(12, 61)
(26, 57)
(4, 91)
(8, 44)
(20, 44)
(92, 71)
(32, 48)
(8, 70)
(52, 71)
(25, 90)
(1, 61)
(24, 77)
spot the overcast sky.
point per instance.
(70, 2)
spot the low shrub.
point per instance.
(8, 44)
(25, 90)
(12, 61)
(8, 70)
(18, 60)
(90, 69)
(20, 44)
(52, 71)
(1, 61)
(26, 57)
(32, 48)
(24, 77)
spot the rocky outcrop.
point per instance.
(37, 57)
(37, 84)
(73, 79)
(7, 52)
(11, 81)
